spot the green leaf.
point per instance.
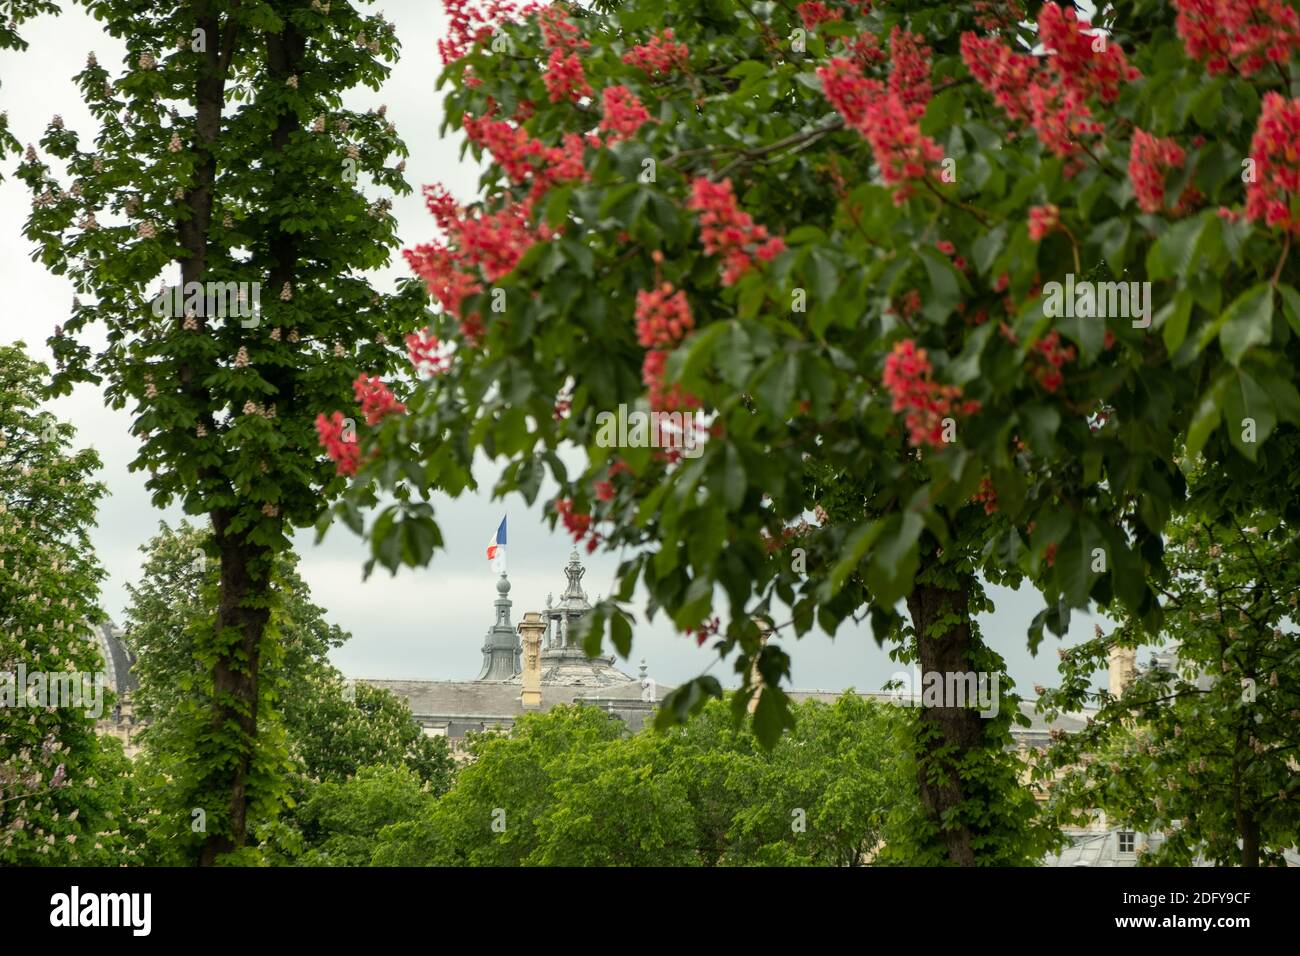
(1206, 418)
(1291, 307)
(1248, 321)
(944, 289)
(772, 716)
(895, 560)
(1248, 413)
(620, 632)
(1174, 319)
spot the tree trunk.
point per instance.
(242, 607)
(944, 647)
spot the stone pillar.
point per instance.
(1121, 666)
(755, 678)
(530, 632)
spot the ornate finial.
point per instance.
(643, 669)
(548, 599)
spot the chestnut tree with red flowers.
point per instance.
(971, 282)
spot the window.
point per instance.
(1127, 841)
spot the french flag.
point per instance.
(496, 549)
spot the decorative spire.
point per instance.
(501, 648)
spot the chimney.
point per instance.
(1121, 665)
(530, 631)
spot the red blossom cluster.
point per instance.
(814, 12)
(1054, 355)
(338, 443)
(660, 56)
(376, 400)
(1241, 35)
(524, 158)
(987, 496)
(908, 376)
(426, 352)
(705, 631)
(949, 250)
(885, 119)
(909, 73)
(663, 317)
(1086, 62)
(864, 50)
(443, 206)
(491, 243)
(564, 77)
(1052, 95)
(1277, 164)
(1149, 158)
(1043, 220)
(622, 114)
(440, 268)
(468, 23)
(496, 242)
(663, 397)
(728, 232)
(1005, 74)
(1061, 118)
(577, 523)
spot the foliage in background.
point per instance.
(62, 788)
(832, 229)
(571, 788)
(1204, 746)
(223, 154)
(331, 728)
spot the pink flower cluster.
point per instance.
(341, 447)
(925, 402)
(490, 245)
(909, 74)
(1043, 220)
(886, 118)
(1149, 159)
(1053, 98)
(336, 436)
(814, 12)
(522, 157)
(468, 23)
(728, 232)
(1054, 355)
(376, 400)
(427, 353)
(564, 77)
(1089, 63)
(622, 114)
(663, 317)
(1241, 35)
(577, 523)
(1277, 164)
(660, 56)
(663, 397)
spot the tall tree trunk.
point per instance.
(242, 607)
(941, 620)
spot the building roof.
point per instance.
(118, 659)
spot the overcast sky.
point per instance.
(426, 623)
